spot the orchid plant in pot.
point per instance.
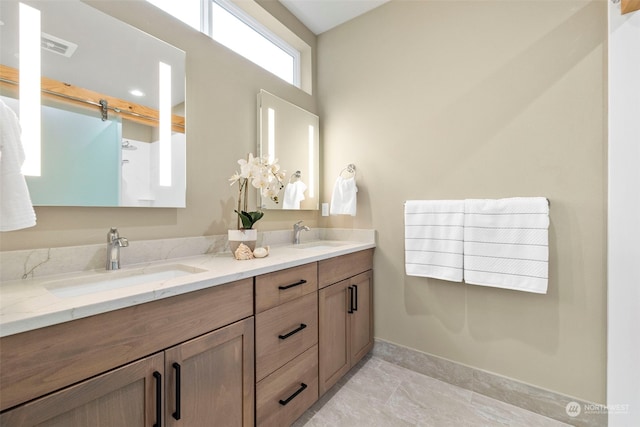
(264, 175)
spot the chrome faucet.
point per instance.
(114, 243)
(297, 228)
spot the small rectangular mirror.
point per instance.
(291, 135)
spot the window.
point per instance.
(235, 28)
(188, 11)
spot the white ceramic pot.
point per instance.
(248, 237)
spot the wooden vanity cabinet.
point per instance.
(199, 332)
(345, 312)
(286, 344)
(197, 359)
(126, 396)
(210, 381)
(205, 381)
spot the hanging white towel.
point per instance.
(16, 210)
(344, 197)
(506, 243)
(293, 195)
(433, 233)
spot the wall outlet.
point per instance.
(325, 209)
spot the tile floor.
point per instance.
(379, 393)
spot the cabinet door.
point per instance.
(126, 396)
(333, 313)
(216, 379)
(361, 330)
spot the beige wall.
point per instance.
(480, 99)
(430, 100)
(221, 128)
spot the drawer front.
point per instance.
(334, 270)
(279, 287)
(284, 395)
(284, 332)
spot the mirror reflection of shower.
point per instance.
(127, 145)
(140, 172)
(136, 174)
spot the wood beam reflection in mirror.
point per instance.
(9, 77)
(628, 6)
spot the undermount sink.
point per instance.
(320, 244)
(117, 279)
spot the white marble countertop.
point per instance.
(32, 303)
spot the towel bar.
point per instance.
(405, 202)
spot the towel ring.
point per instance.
(350, 169)
(296, 175)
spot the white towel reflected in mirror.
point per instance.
(293, 195)
(16, 209)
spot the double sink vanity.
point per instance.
(201, 340)
(198, 338)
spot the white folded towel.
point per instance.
(433, 232)
(16, 210)
(293, 195)
(344, 197)
(506, 243)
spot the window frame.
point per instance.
(274, 31)
(206, 16)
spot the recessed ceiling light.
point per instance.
(136, 92)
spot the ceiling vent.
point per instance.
(57, 45)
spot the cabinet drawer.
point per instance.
(279, 287)
(284, 395)
(284, 332)
(333, 270)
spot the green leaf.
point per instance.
(249, 218)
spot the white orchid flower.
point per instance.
(274, 168)
(234, 178)
(260, 181)
(262, 174)
(246, 166)
(269, 192)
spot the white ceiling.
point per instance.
(322, 15)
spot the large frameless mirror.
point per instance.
(290, 134)
(102, 116)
